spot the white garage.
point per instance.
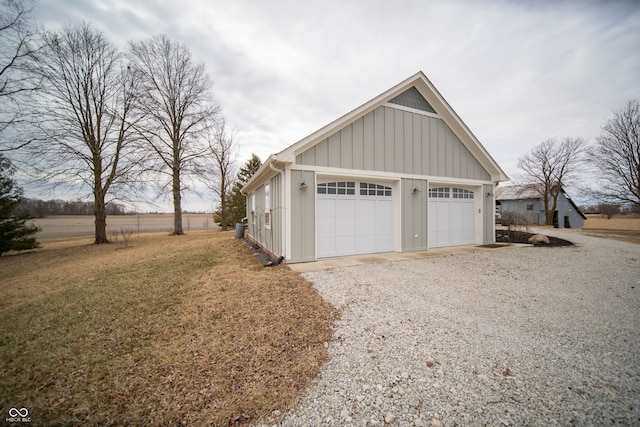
(361, 184)
(451, 216)
(354, 218)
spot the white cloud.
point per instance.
(516, 72)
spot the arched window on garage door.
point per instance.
(369, 189)
(342, 187)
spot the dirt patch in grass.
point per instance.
(171, 329)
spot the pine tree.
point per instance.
(236, 201)
(15, 233)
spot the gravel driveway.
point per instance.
(510, 336)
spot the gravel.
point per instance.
(505, 336)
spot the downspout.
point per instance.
(282, 226)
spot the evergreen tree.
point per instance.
(15, 233)
(236, 201)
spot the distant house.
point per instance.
(400, 173)
(527, 201)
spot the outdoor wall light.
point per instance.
(415, 191)
(489, 194)
(303, 186)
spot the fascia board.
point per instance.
(270, 168)
(262, 174)
(455, 123)
(304, 144)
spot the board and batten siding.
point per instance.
(268, 237)
(394, 140)
(415, 225)
(489, 212)
(303, 215)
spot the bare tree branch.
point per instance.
(616, 155)
(17, 45)
(178, 107)
(550, 166)
(223, 153)
(88, 107)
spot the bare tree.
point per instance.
(608, 210)
(223, 150)
(616, 155)
(179, 107)
(550, 166)
(86, 110)
(17, 44)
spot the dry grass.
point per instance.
(624, 228)
(169, 330)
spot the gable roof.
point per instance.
(416, 92)
(528, 192)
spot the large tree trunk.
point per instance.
(177, 203)
(548, 216)
(99, 208)
(100, 213)
(223, 205)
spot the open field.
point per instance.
(75, 226)
(625, 228)
(170, 330)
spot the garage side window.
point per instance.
(267, 207)
(342, 187)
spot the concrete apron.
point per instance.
(344, 261)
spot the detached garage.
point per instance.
(400, 173)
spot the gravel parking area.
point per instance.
(511, 336)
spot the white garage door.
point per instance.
(451, 217)
(354, 218)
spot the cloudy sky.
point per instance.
(516, 72)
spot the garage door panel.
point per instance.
(345, 244)
(326, 208)
(344, 228)
(384, 214)
(354, 223)
(451, 217)
(345, 208)
(366, 242)
(385, 241)
(326, 244)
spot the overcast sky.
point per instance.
(516, 72)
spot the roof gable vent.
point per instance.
(413, 99)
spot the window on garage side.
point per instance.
(341, 188)
(267, 206)
(368, 189)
